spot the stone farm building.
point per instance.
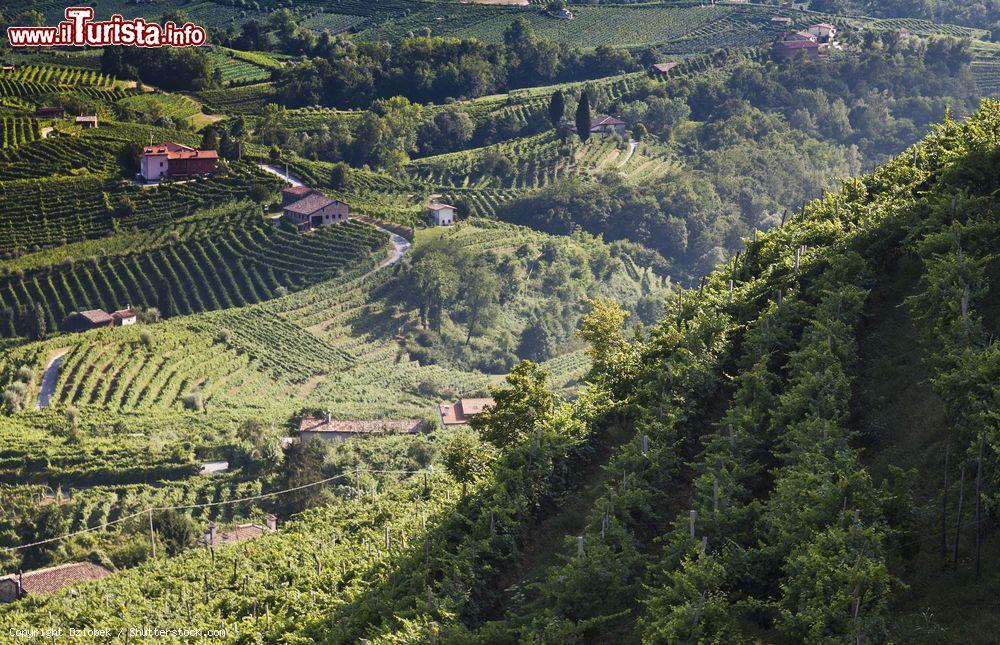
(87, 121)
(94, 318)
(810, 43)
(169, 159)
(306, 209)
(45, 581)
(459, 413)
(441, 214)
(334, 431)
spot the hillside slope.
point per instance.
(774, 461)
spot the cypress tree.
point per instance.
(557, 108)
(583, 118)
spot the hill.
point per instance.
(810, 429)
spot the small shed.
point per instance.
(663, 68)
(240, 533)
(125, 317)
(87, 121)
(459, 413)
(50, 112)
(89, 319)
(441, 214)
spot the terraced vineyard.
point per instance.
(242, 262)
(53, 75)
(987, 75)
(40, 213)
(244, 99)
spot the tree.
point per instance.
(38, 322)
(304, 464)
(612, 356)
(517, 409)
(210, 138)
(557, 108)
(45, 523)
(125, 207)
(583, 117)
(340, 176)
(128, 158)
(481, 292)
(466, 457)
(177, 530)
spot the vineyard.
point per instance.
(243, 262)
(39, 213)
(15, 131)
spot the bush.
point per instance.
(193, 401)
(25, 375)
(146, 339)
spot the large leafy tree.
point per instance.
(518, 408)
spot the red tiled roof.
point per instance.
(96, 316)
(53, 579)
(239, 534)
(298, 190)
(460, 412)
(365, 426)
(664, 67)
(440, 207)
(824, 25)
(124, 313)
(86, 118)
(604, 119)
(310, 204)
(177, 151)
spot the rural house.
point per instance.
(169, 159)
(87, 121)
(240, 533)
(313, 210)
(87, 320)
(333, 431)
(824, 32)
(798, 43)
(459, 413)
(293, 194)
(45, 581)
(441, 214)
(604, 124)
(662, 68)
(125, 317)
(50, 112)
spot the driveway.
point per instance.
(49, 379)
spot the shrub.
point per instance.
(193, 401)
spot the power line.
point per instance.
(250, 498)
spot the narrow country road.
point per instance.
(400, 245)
(49, 379)
(632, 145)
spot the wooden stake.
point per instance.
(694, 518)
(579, 549)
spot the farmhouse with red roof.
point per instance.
(459, 413)
(306, 209)
(169, 159)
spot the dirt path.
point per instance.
(632, 145)
(50, 377)
(400, 245)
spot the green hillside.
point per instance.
(768, 462)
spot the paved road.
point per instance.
(49, 379)
(400, 245)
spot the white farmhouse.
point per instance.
(442, 214)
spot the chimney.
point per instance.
(210, 535)
(271, 522)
